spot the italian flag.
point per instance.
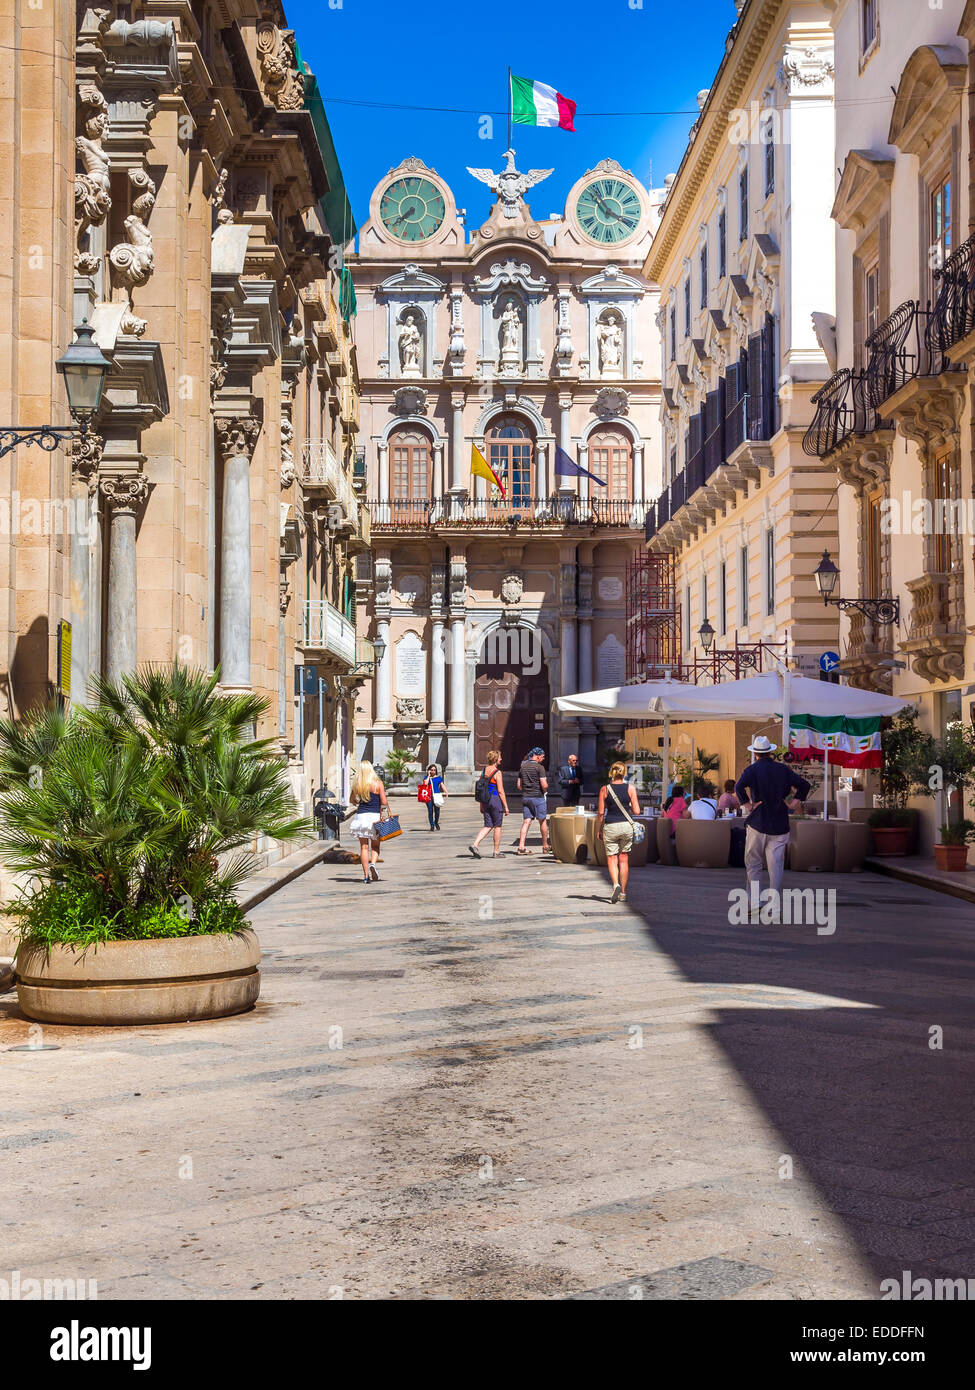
(851, 742)
(536, 103)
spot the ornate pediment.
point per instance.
(864, 189)
(508, 273)
(613, 282)
(928, 97)
(412, 279)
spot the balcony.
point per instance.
(327, 636)
(361, 537)
(505, 514)
(912, 382)
(869, 646)
(935, 645)
(320, 468)
(846, 431)
(951, 326)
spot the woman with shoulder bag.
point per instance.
(494, 805)
(369, 798)
(433, 792)
(618, 805)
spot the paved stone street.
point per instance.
(491, 1126)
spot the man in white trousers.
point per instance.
(765, 786)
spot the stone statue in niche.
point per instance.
(93, 188)
(132, 260)
(509, 337)
(409, 347)
(609, 336)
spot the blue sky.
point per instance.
(605, 55)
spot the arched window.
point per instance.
(611, 459)
(409, 452)
(511, 450)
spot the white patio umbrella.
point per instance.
(773, 695)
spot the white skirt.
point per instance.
(363, 824)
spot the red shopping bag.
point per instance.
(425, 792)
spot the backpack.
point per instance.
(482, 790)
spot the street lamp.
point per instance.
(880, 610)
(378, 650)
(84, 368)
(706, 633)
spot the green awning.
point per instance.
(336, 208)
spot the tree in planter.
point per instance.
(947, 764)
(706, 763)
(398, 765)
(120, 814)
(903, 750)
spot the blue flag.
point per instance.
(565, 466)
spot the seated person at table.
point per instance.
(675, 806)
(702, 807)
(727, 801)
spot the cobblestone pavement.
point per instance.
(536, 1095)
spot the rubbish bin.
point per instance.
(328, 814)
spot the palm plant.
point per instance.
(152, 798)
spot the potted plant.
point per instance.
(903, 746)
(892, 827)
(952, 853)
(397, 767)
(134, 823)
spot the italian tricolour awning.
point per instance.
(536, 103)
(851, 742)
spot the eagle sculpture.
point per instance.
(509, 185)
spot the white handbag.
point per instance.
(438, 798)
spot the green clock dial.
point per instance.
(412, 209)
(608, 210)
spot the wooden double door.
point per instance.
(511, 712)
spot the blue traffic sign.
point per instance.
(829, 661)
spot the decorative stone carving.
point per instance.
(287, 453)
(284, 84)
(509, 185)
(86, 457)
(611, 401)
(512, 587)
(219, 342)
(456, 347)
(409, 400)
(125, 492)
(131, 260)
(563, 342)
(383, 576)
(510, 340)
(92, 189)
(458, 583)
(765, 285)
(236, 434)
(412, 708)
(609, 337)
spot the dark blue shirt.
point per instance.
(770, 783)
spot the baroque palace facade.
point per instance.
(520, 337)
(169, 177)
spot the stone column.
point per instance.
(438, 484)
(384, 679)
(457, 483)
(459, 752)
(569, 677)
(123, 497)
(236, 437)
(85, 458)
(638, 472)
(541, 471)
(458, 713)
(565, 425)
(438, 675)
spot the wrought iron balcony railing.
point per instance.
(842, 410)
(475, 512)
(899, 352)
(953, 315)
(326, 630)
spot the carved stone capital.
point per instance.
(125, 492)
(236, 434)
(86, 457)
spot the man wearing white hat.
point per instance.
(764, 786)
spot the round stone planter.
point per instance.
(9, 942)
(174, 980)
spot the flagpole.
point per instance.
(509, 108)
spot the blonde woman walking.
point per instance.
(617, 807)
(369, 797)
(493, 803)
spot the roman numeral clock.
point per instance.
(608, 206)
(412, 209)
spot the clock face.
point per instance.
(412, 209)
(608, 211)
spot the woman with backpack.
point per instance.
(617, 807)
(489, 793)
(433, 792)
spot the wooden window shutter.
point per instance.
(883, 265)
(859, 313)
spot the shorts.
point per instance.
(493, 813)
(534, 808)
(618, 837)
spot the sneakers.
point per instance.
(373, 874)
(616, 893)
(475, 851)
(622, 897)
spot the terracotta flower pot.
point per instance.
(891, 840)
(172, 980)
(953, 857)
